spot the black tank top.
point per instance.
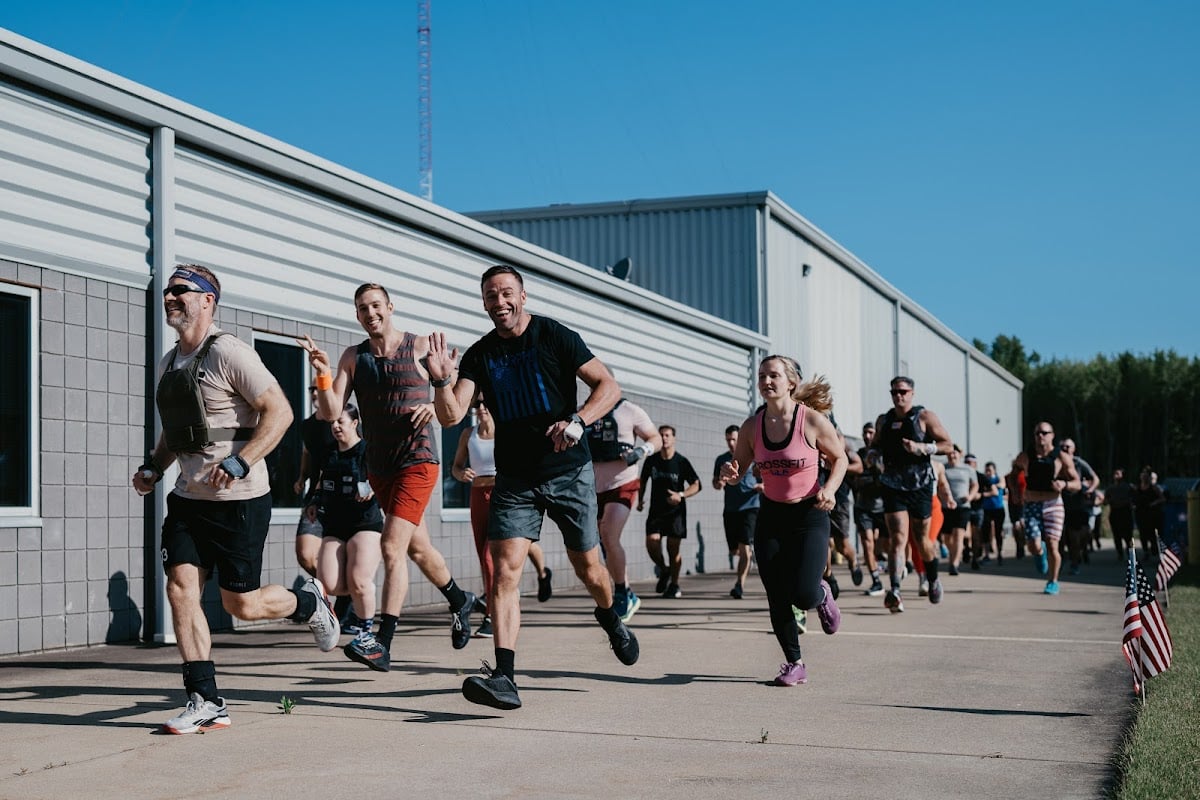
(1042, 470)
(388, 388)
(902, 469)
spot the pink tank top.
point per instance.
(788, 468)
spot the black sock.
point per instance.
(200, 677)
(306, 604)
(506, 663)
(931, 570)
(456, 596)
(607, 618)
(387, 629)
(341, 606)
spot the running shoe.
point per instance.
(673, 592)
(892, 601)
(953, 570)
(460, 623)
(545, 589)
(856, 575)
(663, 579)
(833, 584)
(876, 587)
(633, 603)
(943, 551)
(620, 601)
(352, 625)
(923, 587)
(828, 611)
(1043, 563)
(736, 591)
(1074, 570)
(484, 631)
(1051, 587)
(481, 604)
(199, 716)
(491, 689)
(323, 624)
(791, 675)
(935, 591)
(801, 619)
(623, 642)
(365, 649)
(975, 563)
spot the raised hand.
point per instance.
(316, 356)
(441, 360)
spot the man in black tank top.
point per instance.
(906, 436)
(387, 376)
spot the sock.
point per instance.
(306, 605)
(607, 618)
(875, 574)
(506, 663)
(456, 596)
(931, 570)
(387, 629)
(200, 677)
(341, 606)
(621, 589)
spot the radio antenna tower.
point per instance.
(424, 100)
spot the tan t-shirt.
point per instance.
(231, 377)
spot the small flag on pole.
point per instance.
(1168, 563)
(1145, 638)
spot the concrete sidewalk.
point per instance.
(1000, 692)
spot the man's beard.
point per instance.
(179, 319)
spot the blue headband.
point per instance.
(199, 280)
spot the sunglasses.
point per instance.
(1044, 433)
(179, 290)
(900, 391)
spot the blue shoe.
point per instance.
(632, 604)
(1051, 587)
(620, 602)
(943, 550)
(1043, 563)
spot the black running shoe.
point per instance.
(545, 590)
(663, 580)
(736, 591)
(834, 589)
(366, 650)
(856, 575)
(484, 631)
(460, 623)
(491, 689)
(623, 642)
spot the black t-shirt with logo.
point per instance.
(667, 475)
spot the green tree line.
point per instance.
(1122, 411)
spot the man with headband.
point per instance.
(222, 413)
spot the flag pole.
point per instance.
(1136, 664)
(1166, 592)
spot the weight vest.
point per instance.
(181, 406)
(602, 437)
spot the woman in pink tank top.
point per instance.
(785, 439)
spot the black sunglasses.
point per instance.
(1044, 433)
(180, 289)
(900, 391)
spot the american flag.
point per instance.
(1168, 562)
(1145, 639)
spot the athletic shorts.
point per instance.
(1044, 520)
(226, 534)
(625, 494)
(406, 494)
(739, 527)
(342, 527)
(518, 507)
(976, 517)
(869, 520)
(839, 519)
(917, 502)
(672, 524)
(1078, 519)
(956, 517)
(307, 527)
(1016, 511)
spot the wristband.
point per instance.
(153, 469)
(574, 429)
(443, 383)
(931, 448)
(324, 382)
(236, 467)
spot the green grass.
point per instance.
(1160, 756)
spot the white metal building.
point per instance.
(104, 186)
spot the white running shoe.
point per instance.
(323, 624)
(199, 716)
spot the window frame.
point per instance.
(30, 515)
(289, 513)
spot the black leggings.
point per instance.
(791, 544)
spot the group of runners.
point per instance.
(533, 450)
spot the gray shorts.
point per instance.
(570, 499)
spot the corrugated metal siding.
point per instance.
(877, 352)
(74, 188)
(704, 257)
(938, 368)
(259, 235)
(995, 417)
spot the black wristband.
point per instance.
(236, 467)
(443, 383)
(150, 466)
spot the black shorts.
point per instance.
(977, 517)
(226, 534)
(839, 520)
(673, 524)
(1078, 519)
(739, 527)
(917, 502)
(869, 520)
(956, 518)
(342, 527)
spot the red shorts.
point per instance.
(406, 494)
(625, 494)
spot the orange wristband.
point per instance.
(324, 382)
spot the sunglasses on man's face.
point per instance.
(900, 392)
(1044, 433)
(179, 290)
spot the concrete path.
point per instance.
(1000, 692)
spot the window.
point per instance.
(20, 420)
(289, 364)
(455, 493)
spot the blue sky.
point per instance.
(1028, 168)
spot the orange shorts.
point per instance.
(406, 494)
